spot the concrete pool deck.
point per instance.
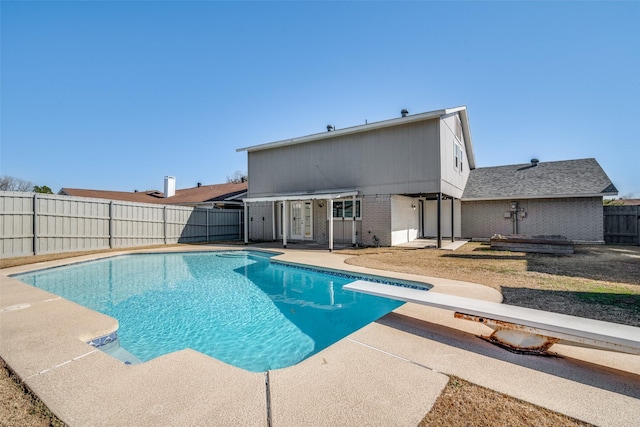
(387, 373)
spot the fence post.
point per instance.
(207, 211)
(111, 224)
(638, 225)
(164, 219)
(35, 224)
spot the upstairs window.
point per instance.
(458, 156)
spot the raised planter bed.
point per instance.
(535, 244)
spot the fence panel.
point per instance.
(32, 224)
(70, 225)
(136, 224)
(227, 224)
(16, 224)
(622, 225)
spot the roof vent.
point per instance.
(404, 112)
(329, 128)
(534, 162)
(199, 184)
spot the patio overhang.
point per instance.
(328, 195)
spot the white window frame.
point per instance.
(458, 156)
(337, 203)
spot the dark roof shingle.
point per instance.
(567, 178)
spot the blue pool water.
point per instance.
(237, 306)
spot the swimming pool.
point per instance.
(235, 306)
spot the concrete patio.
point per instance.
(387, 373)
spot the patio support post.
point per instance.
(246, 223)
(439, 218)
(353, 222)
(273, 220)
(330, 215)
(453, 235)
(285, 222)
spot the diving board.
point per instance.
(519, 328)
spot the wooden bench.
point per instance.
(517, 328)
(536, 244)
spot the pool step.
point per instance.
(114, 350)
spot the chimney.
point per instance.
(404, 112)
(169, 186)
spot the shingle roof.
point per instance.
(567, 178)
(204, 193)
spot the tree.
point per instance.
(237, 177)
(43, 190)
(10, 183)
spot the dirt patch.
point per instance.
(18, 406)
(30, 259)
(463, 404)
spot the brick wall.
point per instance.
(376, 220)
(579, 219)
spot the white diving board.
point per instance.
(518, 328)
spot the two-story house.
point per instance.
(382, 183)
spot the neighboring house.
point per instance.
(627, 202)
(221, 196)
(382, 183)
(539, 198)
(391, 182)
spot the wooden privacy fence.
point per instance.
(622, 225)
(34, 224)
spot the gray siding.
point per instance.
(395, 160)
(578, 219)
(453, 181)
(43, 224)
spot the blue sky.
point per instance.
(115, 95)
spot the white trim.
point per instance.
(325, 195)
